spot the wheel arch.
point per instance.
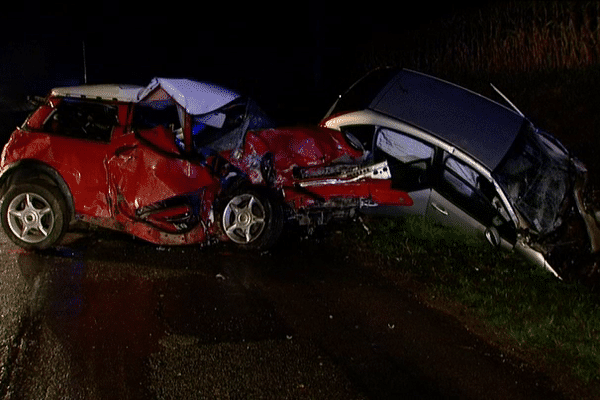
(25, 170)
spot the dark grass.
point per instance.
(553, 322)
(545, 57)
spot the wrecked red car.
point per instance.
(177, 162)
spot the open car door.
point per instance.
(410, 163)
(464, 199)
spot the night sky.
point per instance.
(292, 60)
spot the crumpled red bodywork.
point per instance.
(298, 148)
(141, 182)
(292, 148)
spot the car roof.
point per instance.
(113, 92)
(476, 124)
(196, 98)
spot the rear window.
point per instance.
(361, 94)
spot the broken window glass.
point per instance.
(536, 175)
(225, 128)
(83, 120)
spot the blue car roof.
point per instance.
(476, 124)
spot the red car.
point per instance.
(177, 162)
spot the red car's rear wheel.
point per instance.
(34, 215)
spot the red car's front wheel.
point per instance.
(252, 219)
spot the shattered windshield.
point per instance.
(219, 130)
(224, 129)
(535, 174)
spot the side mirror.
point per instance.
(493, 237)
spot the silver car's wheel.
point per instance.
(33, 215)
(252, 219)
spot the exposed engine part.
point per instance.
(345, 174)
(319, 217)
(326, 211)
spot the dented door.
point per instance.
(150, 181)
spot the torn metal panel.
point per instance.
(196, 98)
(378, 191)
(295, 148)
(349, 174)
(235, 120)
(162, 177)
(145, 231)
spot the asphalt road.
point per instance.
(108, 317)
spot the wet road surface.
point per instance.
(108, 317)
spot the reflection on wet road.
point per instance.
(106, 317)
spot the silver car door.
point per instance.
(464, 199)
(410, 161)
(446, 213)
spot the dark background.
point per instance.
(293, 58)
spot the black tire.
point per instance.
(252, 218)
(34, 214)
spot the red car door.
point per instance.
(150, 181)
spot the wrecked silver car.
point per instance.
(471, 163)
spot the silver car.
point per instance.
(471, 163)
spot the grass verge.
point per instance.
(554, 323)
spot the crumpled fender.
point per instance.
(378, 191)
(293, 147)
